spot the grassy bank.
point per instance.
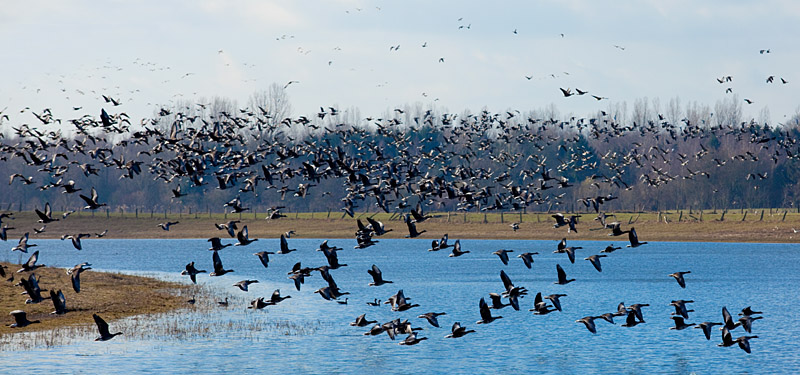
(706, 226)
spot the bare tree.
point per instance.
(272, 104)
(728, 111)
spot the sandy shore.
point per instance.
(110, 295)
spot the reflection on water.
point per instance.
(307, 334)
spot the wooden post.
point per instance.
(137, 212)
(762, 216)
(484, 218)
(680, 217)
(108, 213)
(329, 213)
(784, 215)
(501, 218)
(722, 218)
(745, 215)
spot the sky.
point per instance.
(453, 55)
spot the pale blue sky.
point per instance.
(339, 51)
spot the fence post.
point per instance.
(762, 215)
(745, 215)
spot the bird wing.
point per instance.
(484, 309)
(284, 243)
(217, 262)
(506, 281)
(33, 259)
(102, 326)
(562, 276)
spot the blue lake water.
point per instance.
(764, 276)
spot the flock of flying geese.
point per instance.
(509, 296)
(380, 165)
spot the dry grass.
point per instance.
(737, 226)
(111, 295)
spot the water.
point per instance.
(733, 275)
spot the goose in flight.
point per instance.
(610, 249)
(263, 256)
(218, 269)
(276, 297)
(412, 229)
(486, 314)
(457, 252)
(216, 244)
(91, 203)
(31, 265)
(361, 321)
(431, 317)
(75, 275)
(497, 301)
(680, 324)
(562, 276)
(527, 258)
(458, 331)
(377, 227)
(377, 276)
(679, 277)
(744, 342)
(595, 259)
(76, 239)
(412, 339)
(102, 327)
(540, 307)
(229, 227)
(46, 216)
(244, 284)
(747, 311)
(747, 322)
(165, 226)
(284, 245)
(244, 238)
(588, 321)
(631, 321)
(634, 239)
(23, 244)
(59, 302)
(503, 254)
(21, 319)
(727, 320)
(706, 327)
(554, 298)
(192, 272)
(31, 286)
(680, 308)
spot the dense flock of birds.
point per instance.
(382, 165)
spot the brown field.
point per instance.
(110, 295)
(737, 226)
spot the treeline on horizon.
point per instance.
(336, 160)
